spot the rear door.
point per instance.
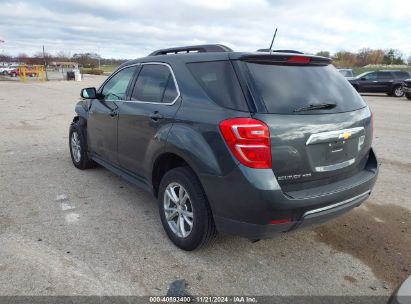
(149, 112)
(103, 115)
(308, 146)
(384, 82)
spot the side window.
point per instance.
(116, 87)
(402, 75)
(219, 81)
(384, 75)
(371, 76)
(155, 83)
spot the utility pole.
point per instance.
(45, 64)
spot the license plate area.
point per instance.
(333, 150)
(337, 151)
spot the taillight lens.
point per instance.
(249, 141)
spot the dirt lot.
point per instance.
(64, 231)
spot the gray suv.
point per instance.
(251, 144)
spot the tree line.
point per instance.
(87, 60)
(365, 57)
(361, 58)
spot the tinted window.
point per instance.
(155, 83)
(284, 89)
(384, 75)
(116, 87)
(220, 83)
(402, 75)
(369, 76)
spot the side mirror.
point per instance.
(89, 93)
(363, 78)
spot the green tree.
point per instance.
(323, 53)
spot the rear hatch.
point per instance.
(320, 128)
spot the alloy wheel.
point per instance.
(178, 210)
(75, 147)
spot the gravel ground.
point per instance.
(69, 232)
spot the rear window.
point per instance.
(284, 89)
(402, 75)
(220, 83)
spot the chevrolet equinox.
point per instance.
(251, 144)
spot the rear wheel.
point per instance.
(408, 95)
(184, 210)
(78, 146)
(397, 91)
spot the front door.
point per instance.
(369, 83)
(147, 117)
(103, 115)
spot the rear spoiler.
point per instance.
(286, 59)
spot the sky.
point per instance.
(133, 28)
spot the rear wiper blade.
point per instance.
(320, 106)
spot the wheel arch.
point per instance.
(164, 163)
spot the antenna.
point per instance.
(272, 41)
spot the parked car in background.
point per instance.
(5, 70)
(30, 71)
(223, 147)
(406, 87)
(347, 73)
(387, 81)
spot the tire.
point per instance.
(203, 228)
(13, 74)
(397, 91)
(5, 73)
(408, 95)
(78, 146)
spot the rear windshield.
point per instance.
(284, 89)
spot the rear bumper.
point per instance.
(244, 202)
(312, 217)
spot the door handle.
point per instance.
(156, 116)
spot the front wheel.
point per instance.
(184, 210)
(408, 95)
(398, 92)
(78, 146)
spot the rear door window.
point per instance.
(384, 76)
(155, 83)
(284, 88)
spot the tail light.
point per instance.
(298, 59)
(249, 141)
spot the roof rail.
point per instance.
(205, 48)
(280, 51)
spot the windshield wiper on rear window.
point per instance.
(320, 106)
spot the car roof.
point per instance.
(213, 55)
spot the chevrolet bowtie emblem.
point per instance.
(345, 135)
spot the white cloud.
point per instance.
(133, 28)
